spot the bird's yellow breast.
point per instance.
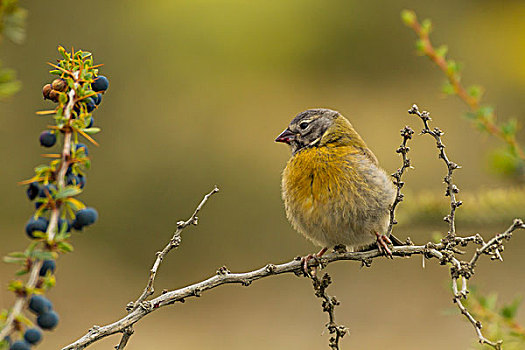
(320, 176)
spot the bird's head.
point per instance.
(317, 127)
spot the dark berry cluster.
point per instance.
(47, 319)
(78, 92)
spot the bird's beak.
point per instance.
(286, 136)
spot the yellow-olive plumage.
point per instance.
(333, 189)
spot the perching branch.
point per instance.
(446, 252)
(223, 276)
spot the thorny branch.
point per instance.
(329, 304)
(172, 244)
(406, 134)
(224, 276)
(463, 269)
(452, 189)
(52, 228)
(445, 252)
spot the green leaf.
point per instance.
(92, 131)
(448, 88)
(68, 191)
(41, 168)
(408, 17)
(509, 311)
(62, 98)
(475, 91)
(21, 272)
(489, 302)
(10, 260)
(14, 25)
(510, 127)
(39, 234)
(17, 255)
(442, 51)
(420, 47)
(40, 255)
(426, 26)
(453, 67)
(486, 112)
(64, 247)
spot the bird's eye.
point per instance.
(303, 125)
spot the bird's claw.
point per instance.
(305, 260)
(382, 244)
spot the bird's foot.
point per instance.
(382, 244)
(305, 260)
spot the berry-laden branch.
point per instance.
(446, 252)
(483, 116)
(78, 92)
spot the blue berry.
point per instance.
(81, 145)
(101, 83)
(48, 265)
(97, 98)
(91, 122)
(90, 104)
(32, 335)
(47, 138)
(86, 216)
(48, 320)
(76, 226)
(20, 345)
(39, 304)
(33, 190)
(38, 224)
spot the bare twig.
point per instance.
(452, 189)
(172, 244)
(403, 149)
(223, 276)
(52, 228)
(329, 304)
(463, 269)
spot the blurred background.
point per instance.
(198, 91)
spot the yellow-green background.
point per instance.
(198, 91)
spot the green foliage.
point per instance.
(12, 26)
(8, 83)
(503, 161)
(482, 117)
(499, 320)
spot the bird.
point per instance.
(333, 189)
